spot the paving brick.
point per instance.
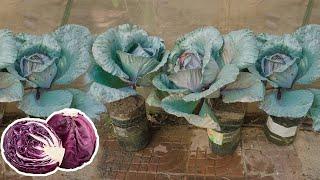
(136, 159)
(121, 175)
(271, 160)
(150, 176)
(208, 177)
(145, 159)
(193, 155)
(162, 177)
(143, 167)
(201, 166)
(134, 167)
(210, 171)
(213, 156)
(2, 167)
(127, 159)
(152, 168)
(10, 176)
(124, 166)
(111, 175)
(174, 161)
(190, 177)
(139, 176)
(230, 165)
(192, 160)
(178, 146)
(177, 177)
(201, 154)
(147, 152)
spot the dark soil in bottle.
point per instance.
(228, 114)
(130, 122)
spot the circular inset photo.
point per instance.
(66, 141)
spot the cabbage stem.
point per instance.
(279, 94)
(197, 110)
(132, 85)
(38, 94)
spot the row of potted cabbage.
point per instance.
(204, 74)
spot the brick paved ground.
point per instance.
(181, 152)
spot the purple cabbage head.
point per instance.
(32, 147)
(77, 135)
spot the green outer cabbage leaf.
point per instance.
(11, 88)
(163, 83)
(309, 66)
(232, 52)
(49, 102)
(153, 99)
(314, 111)
(87, 104)
(228, 74)
(240, 48)
(106, 87)
(247, 88)
(69, 46)
(293, 103)
(287, 45)
(75, 42)
(111, 48)
(8, 49)
(307, 33)
(107, 94)
(45, 44)
(175, 105)
(205, 41)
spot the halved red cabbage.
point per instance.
(31, 146)
(77, 135)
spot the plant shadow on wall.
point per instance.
(284, 62)
(34, 65)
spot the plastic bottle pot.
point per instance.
(280, 130)
(229, 116)
(130, 124)
(224, 142)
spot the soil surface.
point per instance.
(285, 118)
(287, 122)
(127, 108)
(227, 113)
(159, 117)
(219, 105)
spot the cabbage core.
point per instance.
(275, 63)
(32, 147)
